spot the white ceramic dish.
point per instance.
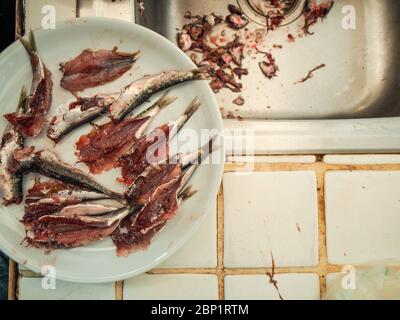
(98, 262)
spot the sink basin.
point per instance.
(350, 106)
(362, 74)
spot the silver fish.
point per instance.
(84, 111)
(87, 209)
(73, 229)
(139, 91)
(164, 101)
(49, 165)
(11, 183)
(82, 195)
(174, 128)
(32, 122)
(106, 217)
(188, 162)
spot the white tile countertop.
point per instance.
(313, 214)
(291, 286)
(362, 216)
(256, 204)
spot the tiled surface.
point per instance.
(258, 287)
(362, 216)
(201, 250)
(36, 11)
(171, 287)
(363, 159)
(31, 289)
(270, 212)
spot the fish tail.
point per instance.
(29, 45)
(135, 55)
(21, 109)
(190, 110)
(161, 103)
(32, 41)
(165, 100)
(192, 107)
(186, 193)
(198, 156)
(202, 73)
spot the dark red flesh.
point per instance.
(103, 146)
(94, 68)
(136, 232)
(66, 234)
(135, 162)
(314, 12)
(33, 121)
(154, 176)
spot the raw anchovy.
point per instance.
(61, 191)
(72, 214)
(139, 91)
(135, 162)
(38, 104)
(74, 229)
(11, 183)
(35, 210)
(163, 199)
(104, 145)
(136, 231)
(159, 174)
(125, 102)
(94, 68)
(60, 205)
(49, 165)
(87, 209)
(66, 235)
(80, 112)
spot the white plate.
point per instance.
(98, 262)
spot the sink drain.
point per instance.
(257, 10)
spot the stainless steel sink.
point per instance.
(362, 74)
(351, 105)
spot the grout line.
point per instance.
(184, 271)
(220, 244)
(119, 290)
(226, 271)
(261, 167)
(12, 280)
(322, 245)
(78, 9)
(278, 270)
(29, 274)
